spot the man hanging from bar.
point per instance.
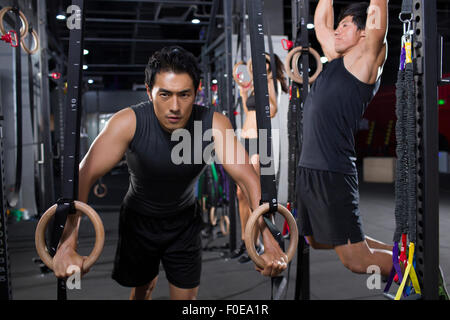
(160, 220)
(327, 180)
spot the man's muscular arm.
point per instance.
(230, 154)
(324, 27)
(376, 28)
(106, 151)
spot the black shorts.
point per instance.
(146, 241)
(328, 206)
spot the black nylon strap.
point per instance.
(31, 81)
(407, 10)
(263, 119)
(73, 114)
(274, 230)
(5, 274)
(14, 197)
(273, 64)
(407, 7)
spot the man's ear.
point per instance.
(149, 92)
(363, 33)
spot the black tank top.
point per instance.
(331, 116)
(251, 102)
(159, 187)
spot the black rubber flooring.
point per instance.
(222, 278)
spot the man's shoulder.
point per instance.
(124, 121)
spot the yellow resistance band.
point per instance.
(409, 272)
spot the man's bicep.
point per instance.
(376, 26)
(110, 146)
(325, 36)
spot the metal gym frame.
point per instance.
(226, 92)
(425, 44)
(300, 35)
(426, 57)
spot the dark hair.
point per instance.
(358, 11)
(280, 71)
(175, 59)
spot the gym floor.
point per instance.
(223, 279)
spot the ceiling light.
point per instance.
(214, 81)
(310, 26)
(85, 52)
(323, 59)
(61, 17)
(195, 21)
(90, 81)
(85, 67)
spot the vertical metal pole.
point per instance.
(46, 176)
(229, 60)
(5, 275)
(302, 289)
(294, 15)
(426, 59)
(227, 7)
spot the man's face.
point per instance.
(347, 35)
(173, 97)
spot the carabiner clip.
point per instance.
(9, 38)
(287, 44)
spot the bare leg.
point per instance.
(375, 244)
(372, 243)
(357, 257)
(143, 292)
(182, 294)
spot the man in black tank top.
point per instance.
(166, 141)
(327, 183)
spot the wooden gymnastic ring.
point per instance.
(319, 69)
(292, 69)
(41, 246)
(251, 230)
(36, 44)
(23, 30)
(250, 67)
(98, 194)
(225, 225)
(236, 78)
(212, 216)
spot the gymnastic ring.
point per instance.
(23, 30)
(236, 78)
(98, 194)
(251, 230)
(295, 59)
(225, 225)
(250, 67)
(292, 70)
(39, 239)
(36, 44)
(212, 216)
